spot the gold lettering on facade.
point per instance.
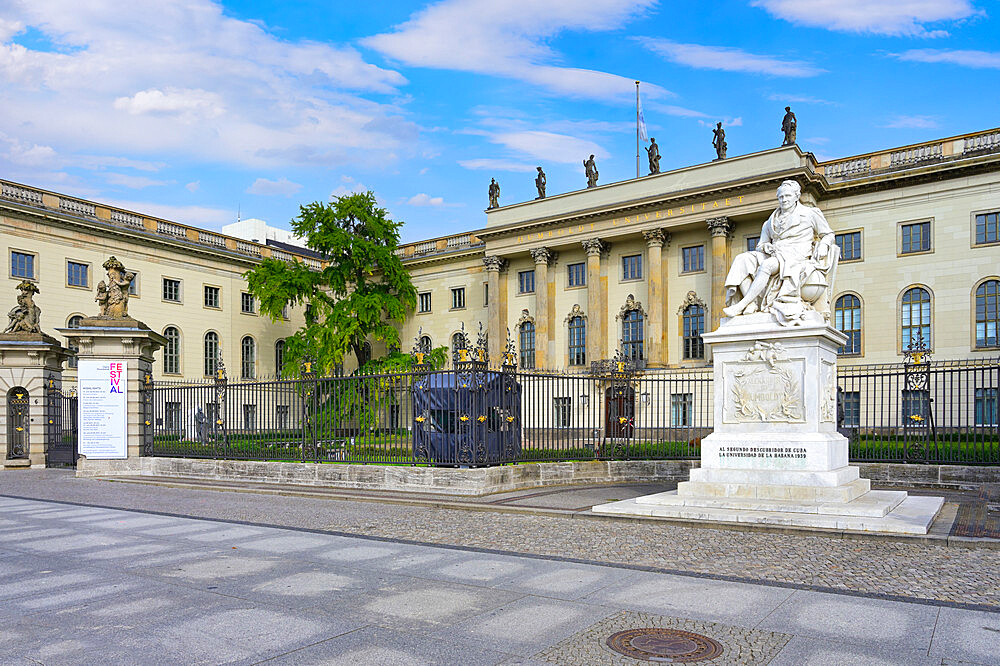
(715, 204)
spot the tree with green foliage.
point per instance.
(361, 294)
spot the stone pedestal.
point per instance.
(30, 368)
(129, 340)
(775, 455)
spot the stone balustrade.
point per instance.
(123, 218)
(908, 157)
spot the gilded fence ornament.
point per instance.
(25, 317)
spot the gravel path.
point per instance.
(870, 567)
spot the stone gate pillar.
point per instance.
(30, 367)
(119, 339)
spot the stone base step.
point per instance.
(843, 493)
(909, 515)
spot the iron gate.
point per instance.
(18, 423)
(61, 433)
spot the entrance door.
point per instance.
(61, 430)
(619, 412)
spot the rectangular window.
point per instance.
(850, 245)
(681, 407)
(986, 228)
(248, 304)
(77, 274)
(486, 294)
(281, 416)
(852, 409)
(986, 406)
(632, 267)
(916, 408)
(424, 302)
(526, 282)
(133, 287)
(916, 238)
(693, 259)
(563, 410)
(171, 290)
(458, 298)
(172, 416)
(212, 297)
(577, 274)
(22, 265)
(284, 312)
(250, 417)
(752, 243)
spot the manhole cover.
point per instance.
(667, 646)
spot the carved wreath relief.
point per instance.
(764, 386)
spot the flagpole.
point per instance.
(636, 129)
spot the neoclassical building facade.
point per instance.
(637, 265)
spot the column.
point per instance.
(495, 329)
(656, 240)
(542, 256)
(595, 247)
(720, 228)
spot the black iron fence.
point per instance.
(941, 412)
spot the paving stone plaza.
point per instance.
(113, 572)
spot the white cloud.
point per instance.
(799, 99)
(726, 58)
(427, 200)
(883, 17)
(149, 77)
(510, 39)
(351, 187)
(549, 146)
(193, 186)
(912, 122)
(134, 182)
(270, 188)
(196, 216)
(975, 59)
(191, 103)
(489, 164)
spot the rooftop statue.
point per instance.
(540, 183)
(789, 126)
(494, 193)
(792, 270)
(591, 168)
(719, 142)
(25, 317)
(654, 156)
(112, 296)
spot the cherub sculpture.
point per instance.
(25, 317)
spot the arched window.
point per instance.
(172, 351)
(987, 316)
(366, 352)
(632, 335)
(425, 345)
(248, 358)
(847, 319)
(74, 322)
(694, 326)
(916, 316)
(211, 353)
(577, 341)
(526, 346)
(279, 357)
(456, 344)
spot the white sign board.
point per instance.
(103, 409)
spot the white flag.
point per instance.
(642, 124)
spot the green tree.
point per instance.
(361, 293)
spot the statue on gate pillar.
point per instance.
(112, 296)
(792, 270)
(25, 317)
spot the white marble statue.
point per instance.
(791, 272)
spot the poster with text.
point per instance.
(103, 410)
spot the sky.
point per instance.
(199, 110)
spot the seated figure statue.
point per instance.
(792, 270)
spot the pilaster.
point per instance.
(596, 298)
(497, 308)
(656, 240)
(543, 256)
(720, 228)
